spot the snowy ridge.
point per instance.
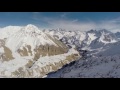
(8, 31)
(29, 35)
(85, 39)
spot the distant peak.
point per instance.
(92, 31)
(105, 31)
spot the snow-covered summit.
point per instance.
(28, 35)
(8, 31)
(107, 37)
(31, 28)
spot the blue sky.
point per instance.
(68, 20)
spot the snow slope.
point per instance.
(8, 31)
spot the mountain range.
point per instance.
(28, 51)
(100, 59)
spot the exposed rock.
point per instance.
(29, 49)
(23, 52)
(42, 71)
(7, 55)
(29, 64)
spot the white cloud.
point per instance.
(68, 24)
(113, 26)
(71, 25)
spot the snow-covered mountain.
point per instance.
(94, 41)
(29, 52)
(101, 56)
(84, 39)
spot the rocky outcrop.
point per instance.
(48, 50)
(26, 51)
(7, 54)
(44, 50)
(29, 71)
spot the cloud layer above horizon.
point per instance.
(112, 25)
(82, 21)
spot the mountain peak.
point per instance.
(31, 29)
(31, 25)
